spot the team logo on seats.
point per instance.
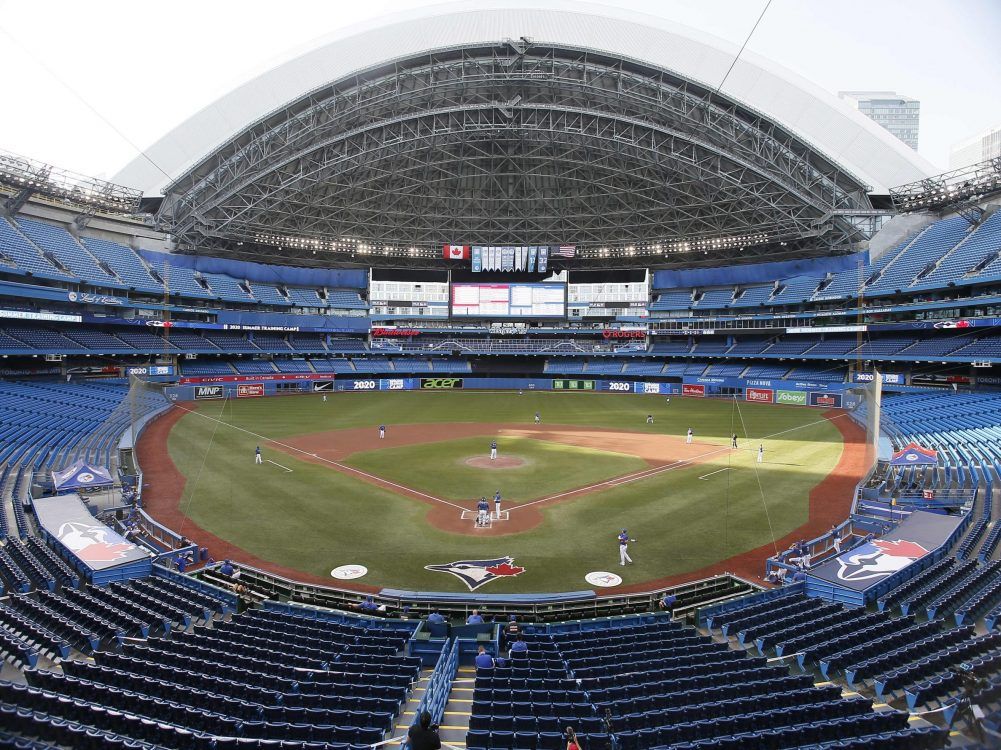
(878, 559)
(475, 573)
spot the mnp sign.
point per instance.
(440, 384)
(832, 400)
(208, 391)
(797, 398)
(764, 395)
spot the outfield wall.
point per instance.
(769, 391)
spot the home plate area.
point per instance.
(471, 515)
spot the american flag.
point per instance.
(564, 251)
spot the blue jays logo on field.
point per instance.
(879, 558)
(475, 573)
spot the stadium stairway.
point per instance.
(455, 722)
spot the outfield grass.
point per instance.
(314, 518)
(439, 468)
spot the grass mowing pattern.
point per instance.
(315, 519)
(439, 469)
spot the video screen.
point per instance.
(542, 300)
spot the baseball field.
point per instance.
(330, 492)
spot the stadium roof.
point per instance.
(522, 125)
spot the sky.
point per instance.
(87, 86)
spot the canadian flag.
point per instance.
(456, 252)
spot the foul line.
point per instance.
(725, 468)
(343, 467)
(616, 482)
(278, 465)
(680, 463)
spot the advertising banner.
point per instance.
(918, 535)
(437, 384)
(323, 386)
(618, 385)
(150, 370)
(891, 378)
(208, 391)
(832, 400)
(652, 388)
(252, 378)
(691, 389)
(250, 390)
(762, 395)
(396, 384)
(797, 398)
(358, 385)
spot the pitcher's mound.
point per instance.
(501, 462)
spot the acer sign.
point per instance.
(689, 389)
(395, 332)
(764, 395)
(250, 390)
(615, 333)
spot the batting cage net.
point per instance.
(863, 402)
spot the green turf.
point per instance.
(439, 468)
(314, 518)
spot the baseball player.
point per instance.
(761, 453)
(483, 512)
(538, 418)
(624, 548)
(324, 398)
(493, 449)
(382, 432)
(733, 440)
(497, 503)
(257, 456)
(690, 436)
(649, 418)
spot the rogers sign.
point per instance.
(395, 332)
(615, 333)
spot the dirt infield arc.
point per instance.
(830, 500)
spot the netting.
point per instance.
(863, 402)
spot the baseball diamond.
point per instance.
(395, 504)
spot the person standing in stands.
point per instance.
(424, 736)
(474, 618)
(436, 618)
(511, 630)
(483, 660)
(572, 742)
(257, 456)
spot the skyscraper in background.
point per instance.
(975, 149)
(898, 114)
